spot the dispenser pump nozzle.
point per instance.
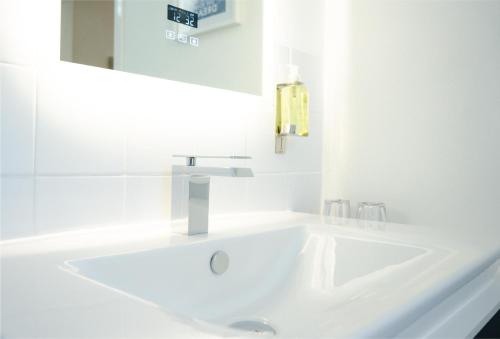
(293, 74)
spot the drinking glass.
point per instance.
(338, 208)
(373, 211)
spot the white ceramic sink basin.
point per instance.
(297, 281)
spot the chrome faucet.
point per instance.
(199, 189)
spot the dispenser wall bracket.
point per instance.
(280, 144)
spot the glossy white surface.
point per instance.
(293, 278)
(304, 275)
(17, 111)
(464, 313)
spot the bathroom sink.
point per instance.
(296, 281)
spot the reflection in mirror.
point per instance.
(215, 43)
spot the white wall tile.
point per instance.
(147, 198)
(153, 138)
(64, 203)
(159, 125)
(199, 120)
(307, 151)
(300, 24)
(329, 183)
(305, 192)
(17, 218)
(228, 195)
(269, 192)
(81, 121)
(216, 132)
(17, 111)
(29, 31)
(16, 48)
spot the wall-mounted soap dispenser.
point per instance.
(292, 109)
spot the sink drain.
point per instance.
(253, 326)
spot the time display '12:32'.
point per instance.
(182, 16)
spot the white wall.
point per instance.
(84, 146)
(417, 120)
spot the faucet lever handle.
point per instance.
(191, 159)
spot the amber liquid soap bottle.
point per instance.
(292, 106)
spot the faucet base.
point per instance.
(199, 189)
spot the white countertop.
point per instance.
(42, 300)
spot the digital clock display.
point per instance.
(182, 16)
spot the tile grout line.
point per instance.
(153, 175)
(124, 199)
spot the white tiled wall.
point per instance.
(18, 114)
(17, 206)
(83, 146)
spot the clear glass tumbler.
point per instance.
(338, 208)
(373, 211)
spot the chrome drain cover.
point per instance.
(219, 263)
(254, 326)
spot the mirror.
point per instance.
(216, 43)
